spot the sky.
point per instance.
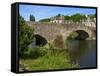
(42, 12)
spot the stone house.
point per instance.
(57, 19)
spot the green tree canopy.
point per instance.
(77, 17)
(58, 15)
(92, 16)
(67, 18)
(45, 20)
(26, 35)
(32, 18)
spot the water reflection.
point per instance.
(83, 52)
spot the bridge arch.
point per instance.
(77, 35)
(81, 35)
(49, 31)
(40, 40)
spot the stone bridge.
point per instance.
(50, 31)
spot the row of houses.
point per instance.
(60, 19)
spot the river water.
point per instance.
(83, 52)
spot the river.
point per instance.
(83, 52)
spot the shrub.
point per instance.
(47, 58)
(35, 52)
(26, 36)
(50, 61)
(72, 36)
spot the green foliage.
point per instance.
(77, 17)
(45, 20)
(92, 16)
(50, 60)
(33, 53)
(25, 36)
(58, 15)
(67, 18)
(32, 18)
(72, 36)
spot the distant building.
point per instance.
(57, 19)
(60, 19)
(89, 22)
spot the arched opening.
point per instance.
(82, 35)
(40, 41)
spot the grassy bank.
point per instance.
(48, 59)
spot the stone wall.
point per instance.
(51, 30)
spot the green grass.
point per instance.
(53, 59)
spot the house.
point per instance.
(57, 19)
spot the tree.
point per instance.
(32, 18)
(67, 17)
(92, 16)
(77, 17)
(26, 36)
(45, 20)
(58, 15)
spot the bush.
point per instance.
(26, 36)
(72, 36)
(47, 58)
(35, 52)
(50, 61)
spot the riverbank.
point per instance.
(53, 59)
